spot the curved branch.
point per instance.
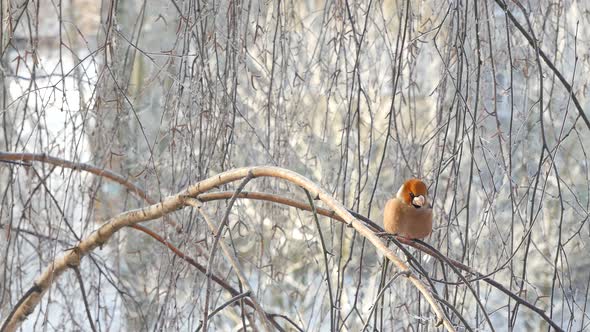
(422, 246)
(15, 157)
(206, 197)
(42, 157)
(72, 257)
(21, 158)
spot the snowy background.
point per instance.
(357, 96)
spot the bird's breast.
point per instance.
(403, 219)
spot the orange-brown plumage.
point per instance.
(409, 214)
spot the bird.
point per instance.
(409, 214)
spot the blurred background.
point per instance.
(487, 102)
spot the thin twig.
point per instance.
(228, 302)
(102, 172)
(374, 306)
(84, 299)
(233, 260)
(325, 252)
(546, 59)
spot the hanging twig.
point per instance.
(233, 260)
(325, 253)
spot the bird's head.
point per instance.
(414, 192)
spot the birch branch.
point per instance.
(71, 258)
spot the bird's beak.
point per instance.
(419, 201)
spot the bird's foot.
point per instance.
(386, 235)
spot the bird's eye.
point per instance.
(412, 196)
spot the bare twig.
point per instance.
(325, 254)
(228, 302)
(108, 174)
(218, 232)
(233, 260)
(545, 58)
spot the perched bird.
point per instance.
(409, 214)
